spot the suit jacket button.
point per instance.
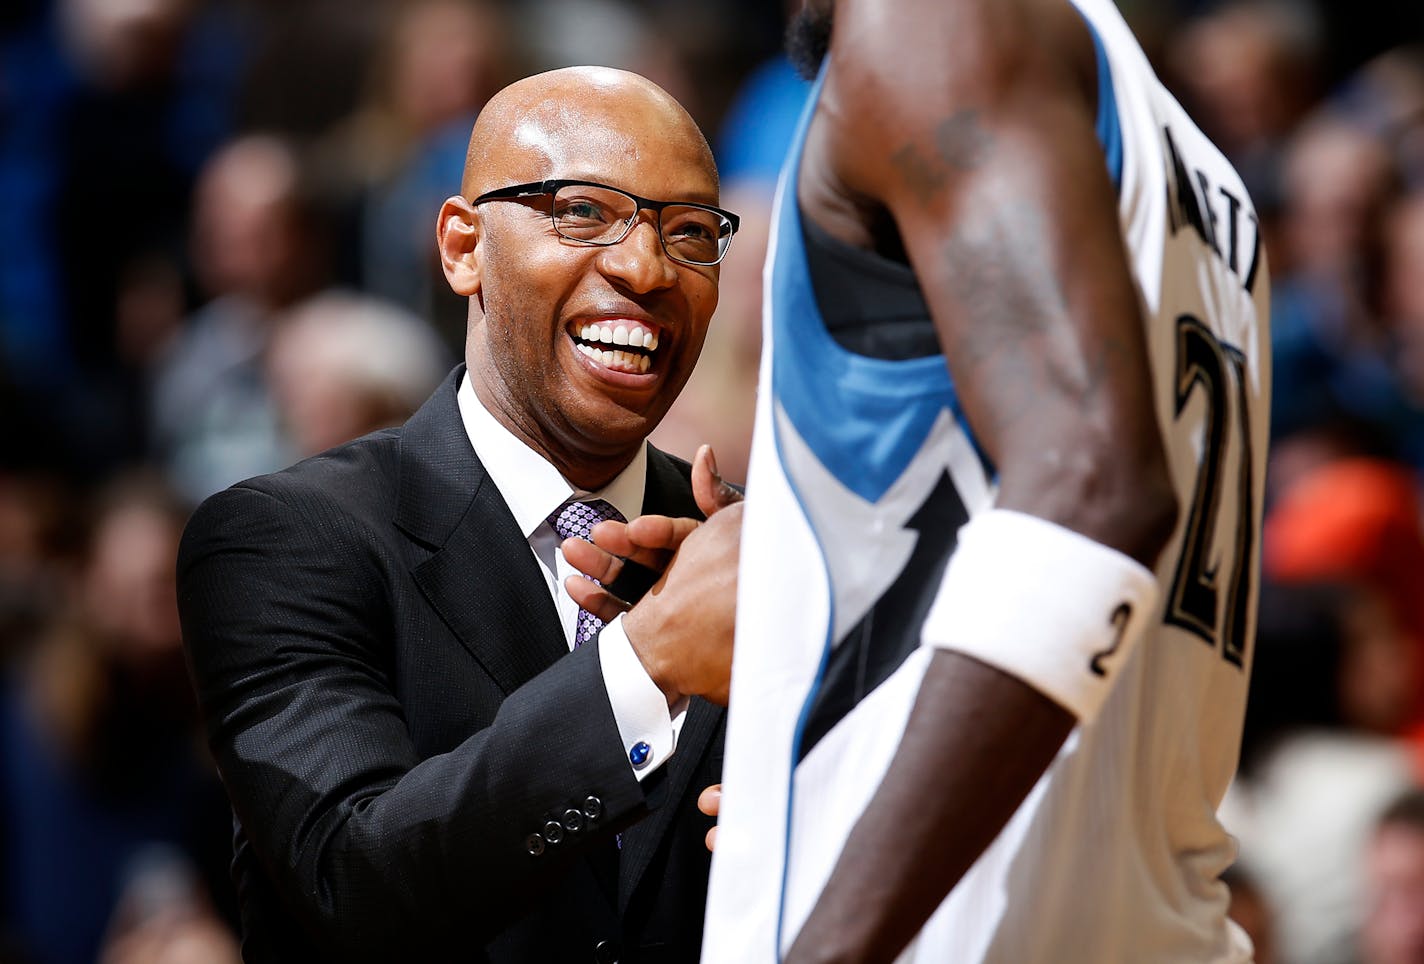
(592, 808)
(573, 820)
(534, 844)
(553, 831)
(605, 952)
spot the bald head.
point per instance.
(566, 122)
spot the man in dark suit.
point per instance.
(431, 752)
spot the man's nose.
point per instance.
(638, 262)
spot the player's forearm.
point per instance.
(976, 743)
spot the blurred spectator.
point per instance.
(107, 108)
(342, 365)
(1338, 679)
(257, 249)
(163, 916)
(1393, 931)
(98, 753)
(34, 537)
(36, 85)
(390, 165)
(612, 33)
(307, 62)
(1337, 182)
(1386, 98)
(1336, 354)
(1313, 775)
(1404, 289)
(1246, 72)
(1357, 521)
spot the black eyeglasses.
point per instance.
(593, 213)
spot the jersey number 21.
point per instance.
(1195, 601)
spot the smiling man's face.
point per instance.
(579, 349)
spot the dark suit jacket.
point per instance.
(394, 710)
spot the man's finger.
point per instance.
(613, 537)
(660, 531)
(591, 596)
(591, 560)
(709, 801)
(708, 488)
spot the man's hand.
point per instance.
(682, 629)
(648, 541)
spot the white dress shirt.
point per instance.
(533, 489)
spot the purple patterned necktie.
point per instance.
(575, 520)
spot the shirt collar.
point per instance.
(532, 487)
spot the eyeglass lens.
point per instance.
(597, 215)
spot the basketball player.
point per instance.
(998, 572)
(999, 554)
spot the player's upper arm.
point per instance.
(980, 142)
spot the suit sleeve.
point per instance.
(288, 626)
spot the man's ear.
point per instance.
(457, 233)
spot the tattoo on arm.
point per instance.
(997, 263)
(963, 142)
(960, 143)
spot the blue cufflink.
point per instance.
(640, 754)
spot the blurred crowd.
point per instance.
(216, 257)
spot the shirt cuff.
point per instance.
(647, 728)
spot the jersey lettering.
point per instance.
(1194, 602)
(1187, 208)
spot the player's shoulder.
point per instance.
(925, 51)
(940, 76)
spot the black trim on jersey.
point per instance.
(885, 637)
(871, 306)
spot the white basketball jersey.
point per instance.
(862, 472)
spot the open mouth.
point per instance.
(620, 344)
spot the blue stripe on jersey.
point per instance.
(786, 200)
(865, 418)
(1109, 126)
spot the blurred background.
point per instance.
(216, 257)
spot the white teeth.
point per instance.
(634, 336)
(612, 358)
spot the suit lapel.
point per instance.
(669, 489)
(482, 579)
(488, 589)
